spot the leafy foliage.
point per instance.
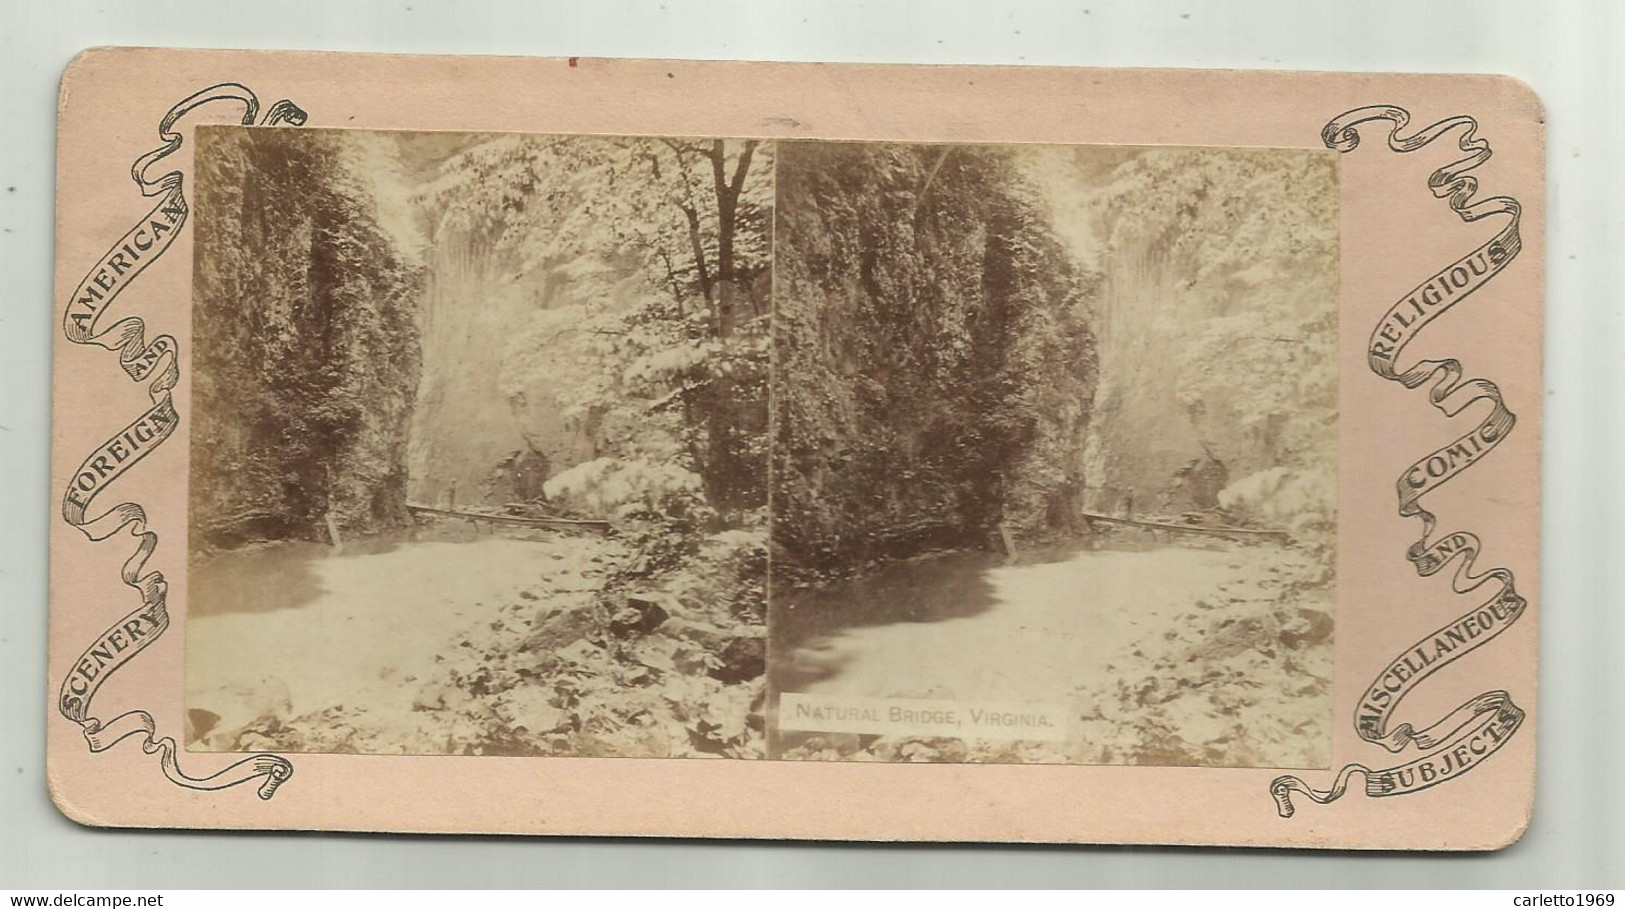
(659, 352)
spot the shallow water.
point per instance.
(1055, 626)
(291, 628)
(294, 574)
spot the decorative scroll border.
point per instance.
(155, 364)
(1469, 735)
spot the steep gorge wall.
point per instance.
(306, 357)
(933, 362)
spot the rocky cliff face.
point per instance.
(306, 352)
(933, 364)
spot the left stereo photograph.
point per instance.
(479, 446)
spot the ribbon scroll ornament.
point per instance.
(153, 364)
(1474, 731)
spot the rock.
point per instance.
(650, 600)
(703, 634)
(430, 697)
(655, 741)
(555, 628)
(1320, 626)
(530, 710)
(642, 614)
(743, 659)
(1310, 627)
(559, 744)
(655, 653)
(254, 741)
(689, 658)
(932, 750)
(625, 622)
(639, 675)
(582, 652)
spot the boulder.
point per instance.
(642, 614)
(742, 659)
(1308, 628)
(531, 711)
(703, 634)
(554, 628)
(648, 600)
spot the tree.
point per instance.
(663, 247)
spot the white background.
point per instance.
(1572, 52)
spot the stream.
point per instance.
(293, 628)
(1055, 627)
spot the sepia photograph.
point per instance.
(1054, 454)
(479, 444)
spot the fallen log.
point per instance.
(1186, 528)
(511, 519)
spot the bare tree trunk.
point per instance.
(727, 192)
